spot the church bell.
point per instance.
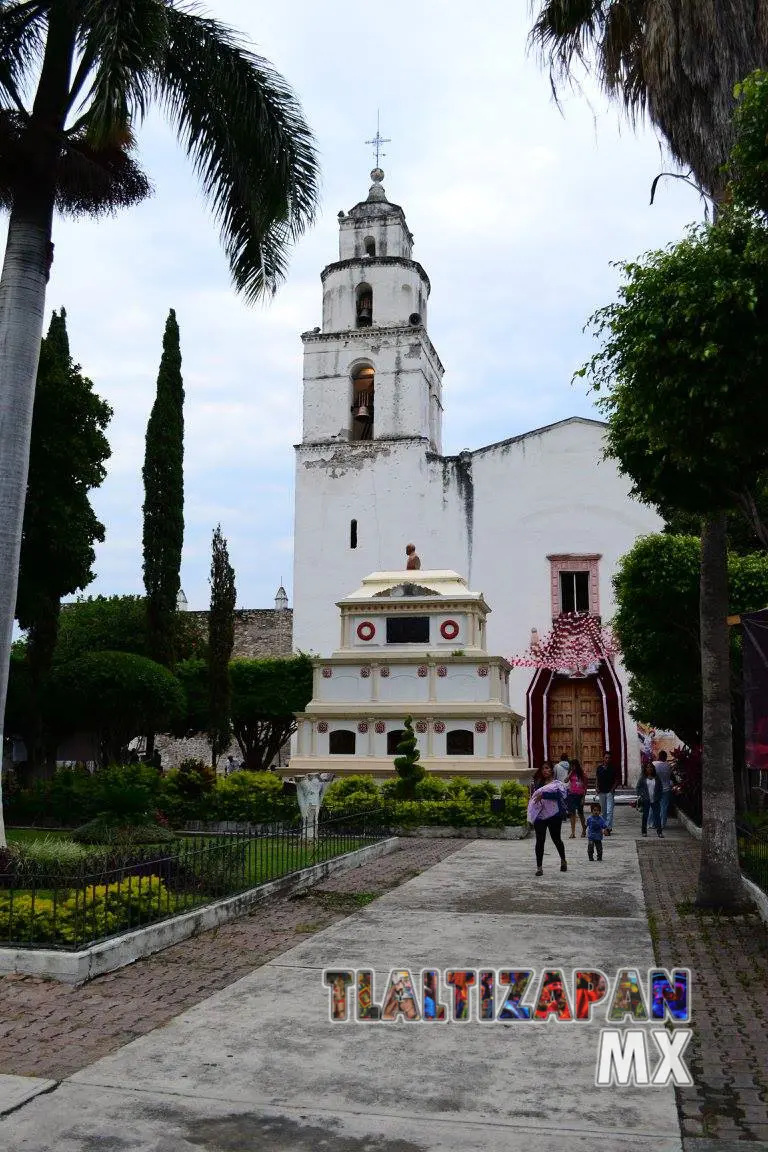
(362, 413)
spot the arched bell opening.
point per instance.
(364, 306)
(362, 403)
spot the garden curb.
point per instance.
(108, 955)
(435, 832)
(757, 894)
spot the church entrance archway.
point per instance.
(575, 722)
(581, 716)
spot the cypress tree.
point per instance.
(221, 641)
(68, 450)
(407, 763)
(163, 475)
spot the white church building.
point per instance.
(535, 523)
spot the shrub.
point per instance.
(110, 830)
(431, 788)
(186, 792)
(65, 799)
(254, 797)
(127, 794)
(341, 789)
(100, 910)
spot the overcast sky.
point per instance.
(517, 209)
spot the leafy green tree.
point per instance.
(119, 624)
(221, 641)
(749, 157)
(657, 626)
(266, 695)
(679, 63)
(116, 695)
(67, 455)
(77, 78)
(163, 476)
(682, 370)
(406, 762)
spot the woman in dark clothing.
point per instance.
(649, 798)
(544, 813)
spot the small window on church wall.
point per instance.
(393, 739)
(460, 742)
(362, 405)
(370, 246)
(341, 743)
(364, 306)
(408, 630)
(574, 591)
(353, 533)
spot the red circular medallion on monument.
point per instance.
(449, 629)
(366, 630)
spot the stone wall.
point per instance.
(259, 632)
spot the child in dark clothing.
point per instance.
(595, 827)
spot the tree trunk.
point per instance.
(720, 884)
(22, 305)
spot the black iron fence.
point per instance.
(121, 888)
(753, 855)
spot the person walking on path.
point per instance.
(649, 798)
(595, 829)
(606, 786)
(545, 812)
(562, 768)
(664, 776)
(577, 790)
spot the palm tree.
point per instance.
(93, 68)
(677, 63)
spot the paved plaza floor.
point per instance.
(259, 1065)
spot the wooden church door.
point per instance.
(575, 722)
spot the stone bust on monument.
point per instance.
(413, 560)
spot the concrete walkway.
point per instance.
(259, 1065)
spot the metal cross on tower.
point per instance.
(378, 140)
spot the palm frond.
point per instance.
(122, 43)
(245, 132)
(677, 60)
(21, 43)
(565, 33)
(90, 181)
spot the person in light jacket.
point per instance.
(649, 798)
(544, 812)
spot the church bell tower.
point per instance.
(372, 416)
(370, 372)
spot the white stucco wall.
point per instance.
(495, 514)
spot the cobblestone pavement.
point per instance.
(52, 1030)
(728, 958)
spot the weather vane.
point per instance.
(378, 140)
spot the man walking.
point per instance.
(606, 786)
(562, 768)
(664, 776)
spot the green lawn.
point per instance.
(248, 863)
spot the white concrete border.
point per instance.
(108, 955)
(757, 894)
(442, 832)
